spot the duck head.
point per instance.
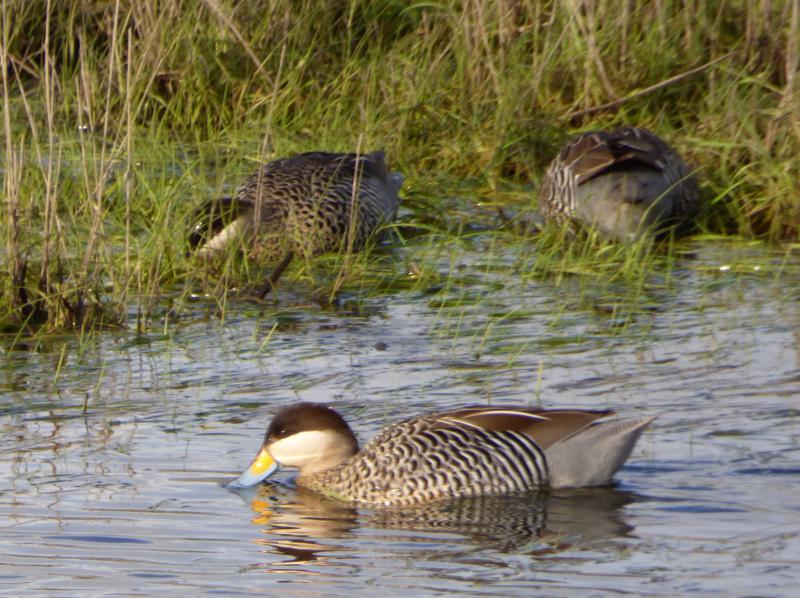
(308, 436)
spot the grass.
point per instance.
(121, 117)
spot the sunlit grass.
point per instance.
(121, 118)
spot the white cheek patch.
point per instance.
(305, 447)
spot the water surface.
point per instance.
(112, 452)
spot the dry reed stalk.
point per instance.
(53, 165)
(95, 195)
(660, 20)
(585, 23)
(789, 100)
(13, 177)
(624, 21)
(647, 90)
(344, 271)
(689, 11)
(267, 142)
(484, 36)
(129, 160)
(793, 45)
(228, 22)
(788, 109)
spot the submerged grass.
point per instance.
(120, 117)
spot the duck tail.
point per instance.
(394, 180)
(374, 165)
(592, 456)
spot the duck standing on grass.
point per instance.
(623, 183)
(473, 451)
(303, 205)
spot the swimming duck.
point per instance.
(623, 183)
(306, 204)
(472, 451)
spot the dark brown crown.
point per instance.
(308, 417)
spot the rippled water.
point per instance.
(111, 453)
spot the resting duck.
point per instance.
(473, 451)
(306, 205)
(623, 183)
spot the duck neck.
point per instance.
(333, 460)
(334, 480)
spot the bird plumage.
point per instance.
(473, 451)
(623, 183)
(303, 205)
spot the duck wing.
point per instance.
(594, 153)
(545, 427)
(345, 166)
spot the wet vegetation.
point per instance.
(135, 377)
(120, 118)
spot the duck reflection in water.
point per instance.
(296, 519)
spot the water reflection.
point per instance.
(121, 441)
(297, 521)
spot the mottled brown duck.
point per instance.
(303, 205)
(474, 451)
(623, 183)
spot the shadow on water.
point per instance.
(301, 524)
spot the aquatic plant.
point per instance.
(121, 117)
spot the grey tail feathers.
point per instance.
(375, 165)
(592, 456)
(394, 180)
